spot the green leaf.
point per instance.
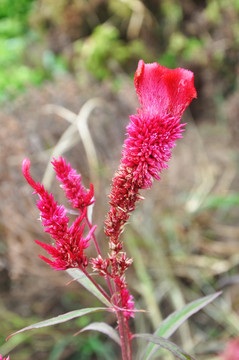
(219, 202)
(103, 328)
(173, 321)
(60, 319)
(79, 276)
(166, 344)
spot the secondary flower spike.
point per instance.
(70, 244)
(163, 94)
(76, 193)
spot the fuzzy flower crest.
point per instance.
(163, 94)
(75, 192)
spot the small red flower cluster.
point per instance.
(3, 358)
(70, 244)
(127, 303)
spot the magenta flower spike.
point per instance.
(163, 94)
(70, 244)
(75, 192)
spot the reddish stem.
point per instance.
(125, 336)
(93, 236)
(124, 332)
(99, 253)
(95, 283)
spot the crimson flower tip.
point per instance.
(26, 173)
(139, 72)
(164, 92)
(26, 163)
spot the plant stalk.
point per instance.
(95, 283)
(99, 253)
(125, 336)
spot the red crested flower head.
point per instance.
(163, 94)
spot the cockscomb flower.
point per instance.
(70, 244)
(163, 94)
(76, 193)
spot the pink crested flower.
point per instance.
(70, 244)
(75, 192)
(163, 94)
(232, 350)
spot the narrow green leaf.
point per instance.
(218, 201)
(60, 319)
(166, 344)
(103, 328)
(79, 276)
(177, 318)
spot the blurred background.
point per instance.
(71, 62)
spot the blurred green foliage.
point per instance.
(228, 201)
(109, 37)
(17, 9)
(19, 66)
(55, 342)
(83, 348)
(103, 51)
